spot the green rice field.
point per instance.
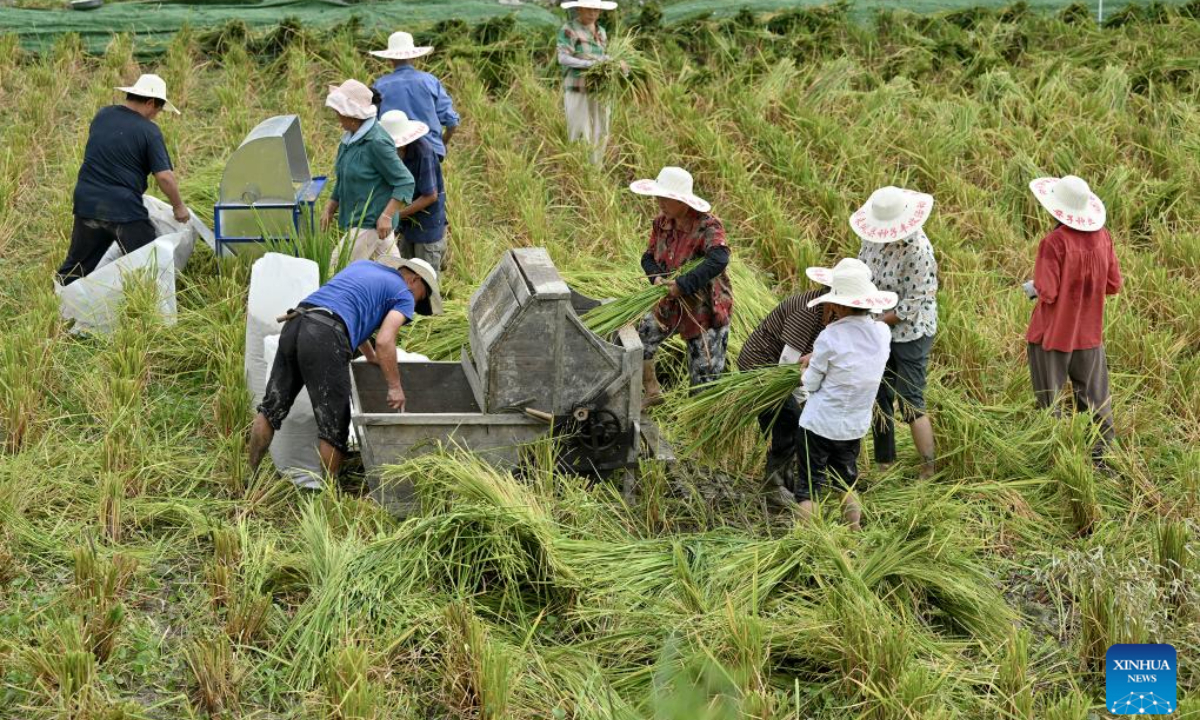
(145, 574)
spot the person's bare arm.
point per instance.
(368, 352)
(384, 224)
(385, 358)
(327, 216)
(447, 133)
(419, 204)
(170, 187)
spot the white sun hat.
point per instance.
(351, 99)
(674, 183)
(824, 276)
(432, 304)
(593, 4)
(850, 285)
(151, 86)
(891, 214)
(1071, 201)
(401, 47)
(401, 128)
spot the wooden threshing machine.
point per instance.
(532, 367)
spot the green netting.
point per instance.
(153, 21)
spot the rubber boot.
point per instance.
(651, 392)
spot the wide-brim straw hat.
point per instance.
(151, 86)
(351, 99)
(1070, 201)
(401, 47)
(674, 183)
(850, 285)
(891, 214)
(401, 128)
(592, 4)
(432, 304)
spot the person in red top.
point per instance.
(1076, 269)
(700, 302)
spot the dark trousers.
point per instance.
(903, 381)
(313, 355)
(1088, 372)
(824, 465)
(90, 239)
(784, 425)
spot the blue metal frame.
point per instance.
(304, 204)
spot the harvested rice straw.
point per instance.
(624, 69)
(612, 316)
(715, 412)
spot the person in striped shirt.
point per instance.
(785, 337)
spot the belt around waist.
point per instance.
(324, 316)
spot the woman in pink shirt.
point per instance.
(1076, 269)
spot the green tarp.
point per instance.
(154, 21)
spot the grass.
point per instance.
(145, 574)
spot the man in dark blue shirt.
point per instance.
(422, 224)
(319, 339)
(419, 94)
(124, 146)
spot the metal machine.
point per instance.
(532, 368)
(267, 192)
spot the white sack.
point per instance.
(93, 302)
(277, 283)
(294, 448)
(162, 217)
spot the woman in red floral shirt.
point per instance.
(700, 302)
(1076, 269)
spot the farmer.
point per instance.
(318, 341)
(372, 183)
(124, 146)
(417, 93)
(784, 338)
(581, 44)
(841, 377)
(901, 261)
(699, 303)
(1076, 269)
(423, 221)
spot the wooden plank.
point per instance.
(539, 271)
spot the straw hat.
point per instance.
(351, 99)
(402, 130)
(151, 86)
(674, 183)
(593, 4)
(432, 304)
(850, 284)
(891, 214)
(401, 47)
(1071, 201)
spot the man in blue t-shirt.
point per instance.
(416, 92)
(124, 146)
(319, 339)
(422, 223)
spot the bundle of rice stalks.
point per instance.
(714, 412)
(624, 69)
(612, 316)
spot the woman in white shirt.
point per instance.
(841, 377)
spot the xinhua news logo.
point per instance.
(1140, 679)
